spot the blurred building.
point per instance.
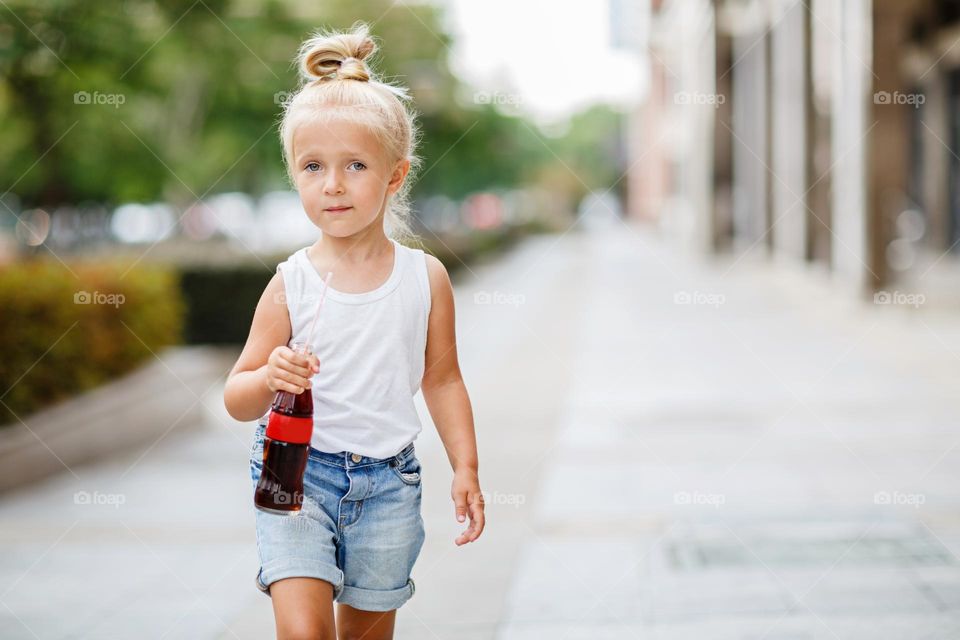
(822, 131)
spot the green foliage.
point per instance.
(591, 148)
(62, 334)
(180, 101)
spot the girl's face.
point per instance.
(343, 176)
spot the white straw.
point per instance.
(316, 316)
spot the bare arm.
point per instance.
(266, 365)
(449, 404)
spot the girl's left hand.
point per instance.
(468, 499)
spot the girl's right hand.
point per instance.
(290, 371)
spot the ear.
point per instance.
(399, 174)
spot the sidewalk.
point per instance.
(669, 452)
(741, 456)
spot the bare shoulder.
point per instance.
(273, 303)
(437, 272)
(439, 278)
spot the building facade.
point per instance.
(819, 131)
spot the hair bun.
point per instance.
(337, 55)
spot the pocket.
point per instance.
(408, 471)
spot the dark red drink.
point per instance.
(286, 446)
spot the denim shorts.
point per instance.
(359, 528)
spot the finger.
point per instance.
(296, 359)
(467, 535)
(290, 388)
(296, 384)
(478, 519)
(302, 370)
(473, 531)
(280, 381)
(460, 503)
(464, 536)
(299, 359)
(300, 381)
(314, 363)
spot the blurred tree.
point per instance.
(143, 100)
(592, 151)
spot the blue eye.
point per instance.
(312, 164)
(359, 163)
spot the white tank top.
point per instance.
(371, 348)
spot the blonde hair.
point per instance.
(338, 85)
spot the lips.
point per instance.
(336, 209)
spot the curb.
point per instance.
(134, 410)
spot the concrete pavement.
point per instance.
(742, 453)
(672, 448)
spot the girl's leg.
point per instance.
(353, 624)
(303, 608)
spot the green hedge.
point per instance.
(61, 333)
(221, 301)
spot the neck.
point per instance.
(364, 245)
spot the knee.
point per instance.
(354, 634)
(306, 630)
(368, 631)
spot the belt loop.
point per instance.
(403, 455)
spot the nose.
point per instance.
(333, 184)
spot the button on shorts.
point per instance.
(359, 528)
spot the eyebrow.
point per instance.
(345, 154)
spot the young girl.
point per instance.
(386, 330)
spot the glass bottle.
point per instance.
(286, 447)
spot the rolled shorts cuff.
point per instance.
(377, 599)
(298, 568)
